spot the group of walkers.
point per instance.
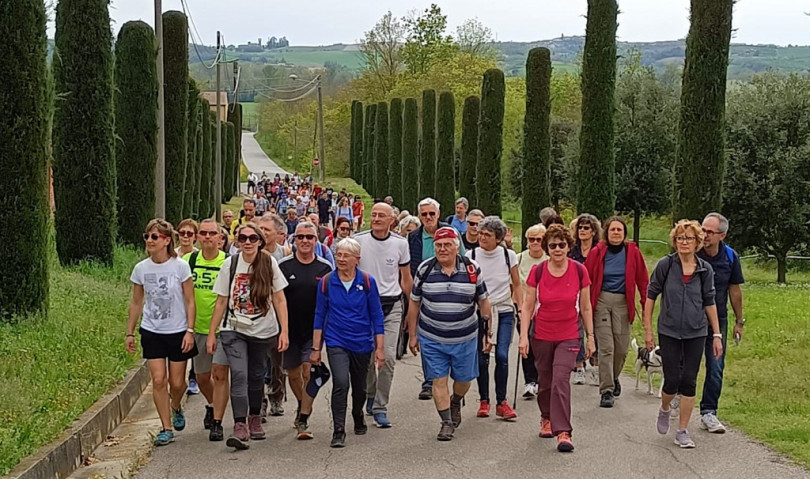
(264, 313)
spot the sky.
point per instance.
(325, 22)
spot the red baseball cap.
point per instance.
(445, 233)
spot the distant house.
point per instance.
(211, 96)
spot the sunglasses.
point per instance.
(208, 233)
(428, 213)
(243, 238)
(306, 237)
(344, 229)
(584, 227)
(535, 240)
(552, 246)
(472, 223)
(153, 236)
(186, 234)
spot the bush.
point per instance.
(427, 152)
(175, 80)
(24, 210)
(368, 149)
(215, 164)
(410, 158)
(469, 149)
(84, 162)
(490, 142)
(207, 164)
(445, 152)
(381, 152)
(193, 110)
(536, 165)
(356, 142)
(228, 160)
(235, 117)
(395, 150)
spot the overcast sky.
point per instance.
(324, 22)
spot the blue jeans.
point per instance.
(713, 384)
(504, 338)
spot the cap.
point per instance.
(445, 233)
(318, 376)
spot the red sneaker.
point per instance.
(483, 409)
(545, 428)
(505, 411)
(564, 443)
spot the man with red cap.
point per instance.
(443, 324)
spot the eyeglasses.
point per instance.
(306, 237)
(535, 240)
(443, 245)
(208, 233)
(243, 238)
(186, 233)
(710, 232)
(344, 229)
(472, 223)
(428, 213)
(552, 246)
(584, 227)
(684, 239)
(153, 236)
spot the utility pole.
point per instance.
(237, 132)
(218, 182)
(322, 163)
(160, 165)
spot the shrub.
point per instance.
(536, 183)
(490, 142)
(410, 158)
(395, 150)
(427, 152)
(445, 152)
(193, 109)
(469, 148)
(368, 149)
(207, 164)
(235, 117)
(175, 81)
(381, 152)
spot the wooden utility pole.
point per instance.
(160, 165)
(218, 182)
(321, 165)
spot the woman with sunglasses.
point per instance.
(187, 232)
(163, 295)
(343, 230)
(534, 254)
(587, 231)
(251, 300)
(562, 288)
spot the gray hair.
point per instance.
(547, 213)
(429, 202)
(722, 220)
(278, 223)
(306, 225)
(348, 244)
(476, 212)
(407, 221)
(494, 224)
(539, 228)
(463, 201)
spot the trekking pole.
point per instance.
(517, 374)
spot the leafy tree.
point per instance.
(701, 146)
(469, 148)
(596, 193)
(410, 158)
(381, 151)
(24, 209)
(490, 142)
(193, 110)
(368, 149)
(395, 150)
(207, 164)
(381, 49)
(445, 152)
(427, 152)
(475, 39)
(767, 188)
(426, 44)
(175, 79)
(136, 128)
(84, 161)
(536, 166)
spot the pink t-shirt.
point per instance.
(557, 317)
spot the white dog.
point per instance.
(651, 362)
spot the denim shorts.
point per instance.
(459, 361)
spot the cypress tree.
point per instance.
(358, 149)
(136, 129)
(207, 175)
(536, 183)
(228, 161)
(198, 147)
(353, 147)
(469, 148)
(368, 150)
(700, 161)
(597, 163)
(410, 156)
(24, 209)
(490, 142)
(380, 189)
(191, 152)
(445, 152)
(175, 80)
(427, 153)
(84, 162)
(213, 119)
(235, 117)
(395, 150)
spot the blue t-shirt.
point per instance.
(614, 279)
(727, 270)
(460, 226)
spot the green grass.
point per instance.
(54, 367)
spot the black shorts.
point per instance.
(162, 346)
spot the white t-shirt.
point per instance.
(245, 317)
(164, 309)
(382, 259)
(496, 275)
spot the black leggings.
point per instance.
(681, 363)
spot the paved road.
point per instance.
(619, 442)
(255, 159)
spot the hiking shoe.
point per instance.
(607, 399)
(446, 432)
(178, 419)
(192, 388)
(662, 424)
(617, 388)
(302, 430)
(164, 437)
(579, 376)
(455, 412)
(426, 394)
(505, 411)
(564, 443)
(338, 439)
(360, 427)
(545, 428)
(529, 391)
(381, 420)
(297, 418)
(209, 417)
(255, 428)
(276, 409)
(483, 409)
(683, 439)
(216, 434)
(369, 406)
(240, 439)
(710, 423)
(263, 413)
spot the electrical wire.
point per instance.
(187, 12)
(314, 88)
(291, 90)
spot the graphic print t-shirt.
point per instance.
(164, 310)
(245, 317)
(204, 275)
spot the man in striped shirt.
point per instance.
(445, 293)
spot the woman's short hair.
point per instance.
(554, 219)
(614, 219)
(592, 220)
(349, 244)
(165, 228)
(687, 227)
(464, 202)
(557, 232)
(188, 222)
(494, 224)
(407, 221)
(340, 221)
(535, 230)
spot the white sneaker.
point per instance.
(594, 375)
(529, 391)
(710, 423)
(535, 389)
(675, 405)
(579, 376)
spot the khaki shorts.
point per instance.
(203, 360)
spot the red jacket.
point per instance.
(635, 277)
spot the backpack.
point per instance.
(471, 273)
(538, 275)
(327, 276)
(231, 275)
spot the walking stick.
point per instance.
(517, 374)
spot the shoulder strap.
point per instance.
(325, 284)
(506, 258)
(729, 253)
(192, 260)
(473, 253)
(367, 280)
(470, 267)
(231, 275)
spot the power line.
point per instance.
(314, 88)
(192, 31)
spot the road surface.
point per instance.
(256, 160)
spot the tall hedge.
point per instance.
(84, 161)
(445, 152)
(368, 149)
(136, 129)
(175, 81)
(427, 152)
(192, 110)
(228, 160)
(24, 210)
(213, 119)
(380, 189)
(536, 183)
(395, 150)
(700, 161)
(410, 156)
(597, 163)
(206, 164)
(235, 117)
(490, 142)
(469, 148)
(355, 141)
(198, 148)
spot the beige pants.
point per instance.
(612, 330)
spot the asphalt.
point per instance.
(620, 442)
(255, 159)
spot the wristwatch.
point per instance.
(741, 322)
(316, 349)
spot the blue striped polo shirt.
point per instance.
(448, 302)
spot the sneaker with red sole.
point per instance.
(483, 409)
(545, 429)
(505, 411)
(564, 443)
